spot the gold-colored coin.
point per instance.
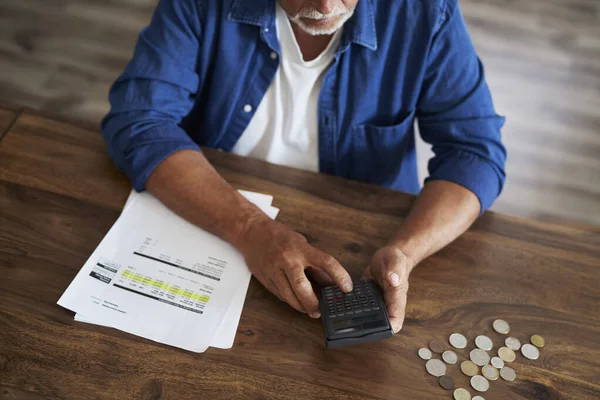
(490, 372)
(538, 341)
(506, 354)
(469, 368)
(462, 394)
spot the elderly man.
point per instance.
(324, 85)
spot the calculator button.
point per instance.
(358, 311)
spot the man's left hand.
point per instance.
(390, 267)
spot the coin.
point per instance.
(530, 351)
(512, 343)
(446, 382)
(506, 354)
(469, 368)
(477, 398)
(490, 372)
(425, 354)
(450, 357)
(436, 346)
(508, 374)
(435, 367)
(479, 357)
(462, 394)
(538, 341)
(458, 341)
(497, 362)
(479, 383)
(484, 342)
(501, 326)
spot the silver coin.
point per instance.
(508, 374)
(501, 326)
(484, 342)
(530, 351)
(479, 357)
(512, 343)
(458, 341)
(450, 357)
(480, 384)
(477, 398)
(497, 362)
(435, 367)
(425, 354)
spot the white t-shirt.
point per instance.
(284, 129)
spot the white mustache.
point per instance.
(311, 13)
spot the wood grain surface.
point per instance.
(59, 195)
(542, 60)
(7, 117)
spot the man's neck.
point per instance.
(311, 46)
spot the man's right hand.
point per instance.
(276, 255)
(279, 257)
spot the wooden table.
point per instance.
(59, 195)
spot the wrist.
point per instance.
(251, 225)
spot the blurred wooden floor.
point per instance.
(542, 60)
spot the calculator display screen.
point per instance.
(351, 322)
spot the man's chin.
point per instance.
(317, 27)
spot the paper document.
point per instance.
(158, 276)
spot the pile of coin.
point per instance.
(481, 367)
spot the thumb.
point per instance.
(391, 272)
(386, 275)
(392, 278)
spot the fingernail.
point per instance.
(315, 315)
(394, 279)
(347, 287)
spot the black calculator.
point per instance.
(356, 317)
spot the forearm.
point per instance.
(442, 212)
(187, 184)
(276, 255)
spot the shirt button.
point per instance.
(266, 29)
(247, 108)
(273, 55)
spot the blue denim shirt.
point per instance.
(201, 62)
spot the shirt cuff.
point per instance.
(472, 172)
(143, 159)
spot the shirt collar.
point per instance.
(359, 29)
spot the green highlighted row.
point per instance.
(164, 286)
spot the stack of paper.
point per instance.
(158, 276)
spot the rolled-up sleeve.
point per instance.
(149, 100)
(456, 114)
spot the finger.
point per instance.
(321, 278)
(329, 265)
(286, 293)
(368, 274)
(303, 290)
(395, 301)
